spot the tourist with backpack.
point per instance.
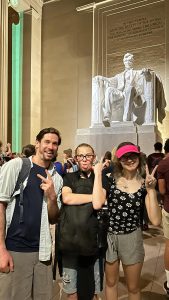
(127, 194)
(30, 191)
(82, 196)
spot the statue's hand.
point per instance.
(138, 101)
(146, 71)
(100, 79)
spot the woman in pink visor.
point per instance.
(127, 194)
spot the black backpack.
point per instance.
(81, 232)
(23, 174)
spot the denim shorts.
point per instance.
(128, 248)
(70, 266)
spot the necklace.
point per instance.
(125, 183)
(129, 185)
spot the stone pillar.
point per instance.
(32, 75)
(3, 69)
(31, 96)
(35, 106)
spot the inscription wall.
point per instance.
(130, 26)
(137, 28)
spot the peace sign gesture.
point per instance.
(47, 186)
(98, 166)
(150, 181)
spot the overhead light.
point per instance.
(49, 1)
(86, 7)
(19, 5)
(13, 3)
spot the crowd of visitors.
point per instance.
(98, 206)
(5, 153)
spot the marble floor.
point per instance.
(153, 274)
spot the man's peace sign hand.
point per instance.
(150, 181)
(47, 186)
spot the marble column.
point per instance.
(35, 107)
(3, 69)
(31, 80)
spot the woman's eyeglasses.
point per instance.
(80, 157)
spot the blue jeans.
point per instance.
(70, 267)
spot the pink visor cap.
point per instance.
(126, 149)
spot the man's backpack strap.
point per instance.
(23, 174)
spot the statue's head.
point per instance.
(128, 60)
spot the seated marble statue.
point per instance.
(132, 95)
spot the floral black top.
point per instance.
(125, 209)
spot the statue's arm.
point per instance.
(106, 81)
(100, 79)
(113, 81)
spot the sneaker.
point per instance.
(166, 289)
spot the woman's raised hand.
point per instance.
(98, 166)
(150, 180)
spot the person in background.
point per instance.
(163, 185)
(58, 166)
(127, 193)
(154, 158)
(107, 159)
(28, 150)
(107, 163)
(8, 151)
(5, 155)
(70, 164)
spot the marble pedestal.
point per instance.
(148, 135)
(104, 139)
